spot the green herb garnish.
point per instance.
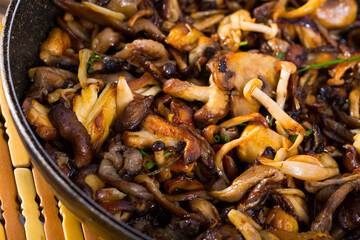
(328, 63)
(167, 154)
(164, 167)
(293, 138)
(243, 43)
(217, 138)
(271, 121)
(94, 58)
(144, 154)
(150, 165)
(241, 125)
(227, 139)
(280, 55)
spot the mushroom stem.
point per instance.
(244, 118)
(354, 98)
(252, 89)
(226, 148)
(160, 162)
(287, 68)
(245, 224)
(269, 32)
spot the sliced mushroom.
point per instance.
(245, 181)
(156, 128)
(84, 102)
(37, 116)
(245, 224)
(101, 116)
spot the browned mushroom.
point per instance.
(323, 220)
(51, 78)
(37, 115)
(235, 70)
(148, 49)
(105, 39)
(155, 128)
(245, 181)
(215, 99)
(336, 14)
(82, 11)
(72, 130)
(133, 114)
(178, 211)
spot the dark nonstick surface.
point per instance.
(27, 23)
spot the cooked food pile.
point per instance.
(214, 119)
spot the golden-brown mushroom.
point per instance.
(215, 99)
(37, 116)
(230, 27)
(336, 14)
(141, 50)
(235, 70)
(183, 37)
(305, 167)
(245, 224)
(305, 9)
(279, 219)
(286, 68)
(246, 181)
(155, 128)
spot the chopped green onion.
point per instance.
(293, 138)
(144, 154)
(308, 132)
(241, 125)
(150, 165)
(94, 58)
(227, 139)
(164, 167)
(271, 121)
(167, 154)
(329, 63)
(280, 55)
(217, 138)
(243, 43)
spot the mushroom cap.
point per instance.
(235, 70)
(336, 14)
(265, 137)
(286, 66)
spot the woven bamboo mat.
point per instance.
(29, 210)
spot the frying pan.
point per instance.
(27, 23)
